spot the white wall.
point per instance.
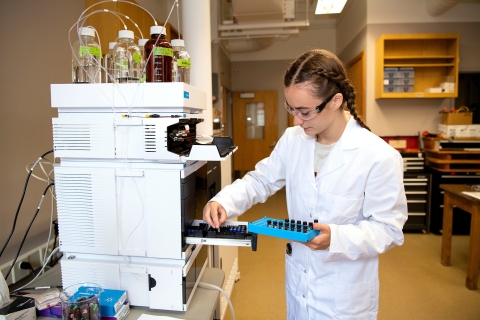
(413, 11)
(351, 22)
(318, 36)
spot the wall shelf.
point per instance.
(432, 56)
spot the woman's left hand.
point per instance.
(322, 241)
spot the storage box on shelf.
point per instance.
(463, 131)
(429, 60)
(456, 118)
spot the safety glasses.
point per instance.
(310, 113)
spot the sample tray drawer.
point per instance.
(278, 228)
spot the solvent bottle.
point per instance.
(127, 58)
(159, 64)
(141, 45)
(181, 62)
(86, 58)
(108, 64)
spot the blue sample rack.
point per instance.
(283, 229)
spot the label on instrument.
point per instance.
(398, 144)
(159, 51)
(90, 50)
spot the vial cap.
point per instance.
(125, 34)
(86, 31)
(141, 42)
(177, 43)
(157, 30)
(111, 45)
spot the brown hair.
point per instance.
(326, 75)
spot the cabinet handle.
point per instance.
(415, 180)
(457, 177)
(416, 201)
(414, 184)
(417, 214)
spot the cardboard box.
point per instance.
(21, 308)
(458, 131)
(456, 118)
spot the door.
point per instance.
(254, 127)
(356, 73)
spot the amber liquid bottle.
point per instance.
(158, 56)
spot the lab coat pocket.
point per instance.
(353, 301)
(340, 209)
(291, 281)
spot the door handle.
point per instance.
(273, 144)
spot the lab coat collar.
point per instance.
(353, 135)
(351, 138)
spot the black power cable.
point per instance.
(55, 224)
(21, 200)
(28, 229)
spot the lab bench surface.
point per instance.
(202, 306)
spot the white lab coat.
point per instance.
(359, 192)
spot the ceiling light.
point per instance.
(329, 6)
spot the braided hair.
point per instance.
(326, 75)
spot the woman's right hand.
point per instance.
(214, 214)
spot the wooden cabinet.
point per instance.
(432, 57)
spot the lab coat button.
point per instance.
(304, 296)
(305, 271)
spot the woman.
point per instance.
(337, 172)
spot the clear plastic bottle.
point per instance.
(127, 58)
(108, 64)
(181, 62)
(141, 45)
(86, 58)
(159, 65)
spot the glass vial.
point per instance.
(141, 45)
(181, 62)
(108, 64)
(127, 58)
(158, 55)
(86, 58)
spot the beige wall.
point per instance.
(351, 22)
(262, 75)
(36, 53)
(264, 69)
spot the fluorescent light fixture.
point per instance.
(276, 31)
(329, 6)
(247, 95)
